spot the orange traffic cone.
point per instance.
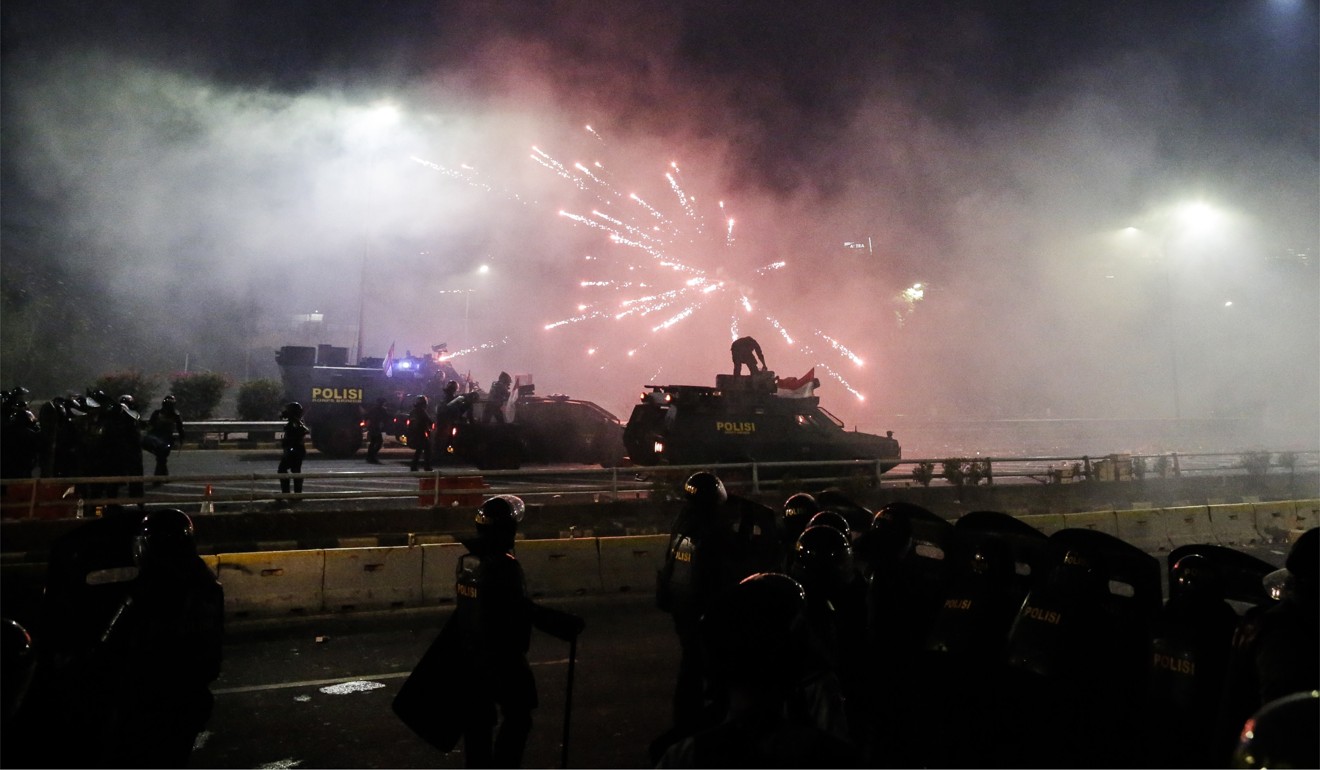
(207, 505)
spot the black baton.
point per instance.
(568, 700)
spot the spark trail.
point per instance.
(685, 267)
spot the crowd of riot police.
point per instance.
(89, 435)
(825, 634)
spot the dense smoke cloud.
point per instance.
(181, 183)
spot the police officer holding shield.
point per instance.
(162, 426)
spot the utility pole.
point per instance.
(362, 284)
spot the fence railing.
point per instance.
(74, 497)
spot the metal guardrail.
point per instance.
(74, 496)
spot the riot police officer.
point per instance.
(1274, 650)
(834, 682)
(377, 417)
(493, 622)
(162, 426)
(1281, 734)
(1190, 647)
(161, 650)
(499, 396)
(293, 447)
(798, 510)
(419, 434)
(705, 557)
(20, 438)
(755, 636)
(124, 442)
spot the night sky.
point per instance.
(180, 180)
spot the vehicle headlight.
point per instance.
(658, 447)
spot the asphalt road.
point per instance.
(317, 693)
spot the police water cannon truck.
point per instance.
(746, 418)
(335, 394)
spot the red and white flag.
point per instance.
(389, 362)
(799, 387)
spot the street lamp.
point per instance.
(1193, 219)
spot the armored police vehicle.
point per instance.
(745, 418)
(334, 394)
(535, 429)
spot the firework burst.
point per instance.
(667, 255)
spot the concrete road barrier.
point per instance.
(1308, 514)
(439, 563)
(560, 567)
(272, 582)
(1049, 523)
(1188, 524)
(1234, 524)
(372, 578)
(1144, 528)
(1102, 521)
(1275, 519)
(630, 563)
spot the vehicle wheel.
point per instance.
(500, 455)
(338, 441)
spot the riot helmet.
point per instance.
(1196, 575)
(755, 633)
(97, 399)
(1304, 556)
(704, 488)
(292, 411)
(451, 389)
(830, 518)
(497, 519)
(799, 510)
(501, 510)
(1281, 734)
(163, 535)
(127, 400)
(992, 558)
(420, 401)
(1082, 571)
(890, 537)
(822, 558)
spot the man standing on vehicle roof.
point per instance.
(746, 350)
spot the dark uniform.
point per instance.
(419, 434)
(293, 447)
(124, 441)
(1274, 651)
(499, 396)
(756, 637)
(833, 687)
(447, 414)
(20, 445)
(706, 556)
(746, 350)
(162, 427)
(161, 651)
(378, 416)
(483, 649)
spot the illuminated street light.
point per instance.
(1189, 222)
(369, 127)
